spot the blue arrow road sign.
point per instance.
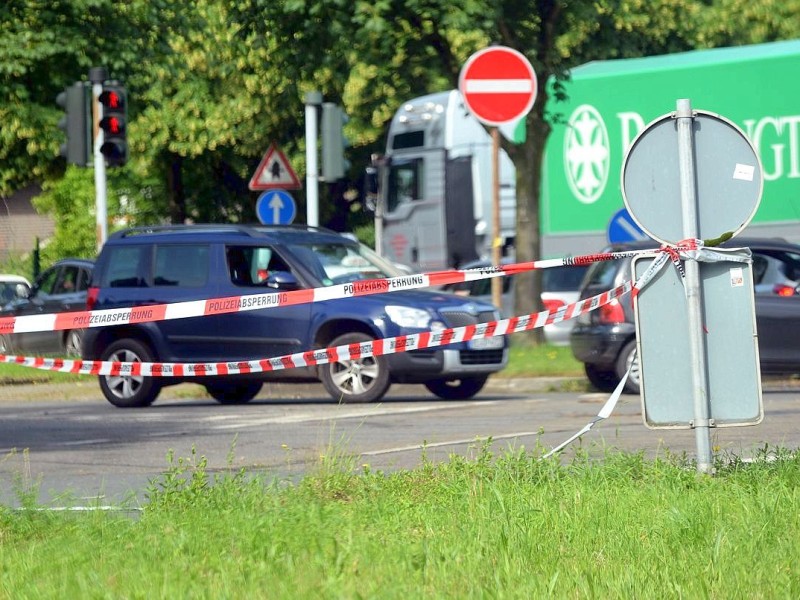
(275, 207)
(622, 228)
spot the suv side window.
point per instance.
(47, 282)
(183, 266)
(68, 281)
(251, 265)
(125, 267)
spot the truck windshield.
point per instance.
(405, 177)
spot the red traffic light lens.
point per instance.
(112, 99)
(113, 125)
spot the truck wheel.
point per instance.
(602, 381)
(128, 391)
(234, 393)
(357, 380)
(627, 357)
(459, 389)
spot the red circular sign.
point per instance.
(498, 85)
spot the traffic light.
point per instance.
(114, 123)
(333, 142)
(76, 124)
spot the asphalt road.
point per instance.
(83, 451)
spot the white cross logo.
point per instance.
(586, 152)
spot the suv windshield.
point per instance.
(333, 263)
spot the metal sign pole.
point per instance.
(497, 295)
(694, 297)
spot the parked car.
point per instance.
(604, 340)
(61, 288)
(560, 286)
(181, 263)
(13, 287)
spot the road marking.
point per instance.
(60, 445)
(478, 438)
(350, 414)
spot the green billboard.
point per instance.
(608, 103)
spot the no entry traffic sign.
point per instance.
(498, 85)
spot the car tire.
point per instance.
(355, 381)
(458, 389)
(127, 391)
(72, 342)
(240, 392)
(602, 381)
(624, 360)
(7, 345)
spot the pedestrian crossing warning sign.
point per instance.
(274, 172)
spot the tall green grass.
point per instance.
(484, 526)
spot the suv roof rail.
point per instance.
(238, 228)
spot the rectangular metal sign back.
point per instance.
(731, 342)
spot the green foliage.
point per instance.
(210, 88)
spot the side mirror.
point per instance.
(371, 188)
(282, 280)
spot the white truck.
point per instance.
(434, 206)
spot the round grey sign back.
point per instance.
(728, 178)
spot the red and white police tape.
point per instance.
(231, 304)
(403, 343)
(377, 347)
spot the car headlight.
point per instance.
(405, 316)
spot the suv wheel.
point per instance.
(72, 342)
(602, 381)
(128, 391)
(234, 393)
(355, 380)
(626, 358)
(459, 389)
(6, 345)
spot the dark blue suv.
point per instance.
(159, 265)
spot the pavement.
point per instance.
(87, 389)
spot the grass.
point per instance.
(541, 361)
(483, 526)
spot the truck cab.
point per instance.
(433, 204)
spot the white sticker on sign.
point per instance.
(737, 277)
(744, 172)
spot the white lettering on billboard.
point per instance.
(785, 130)
(631, 124)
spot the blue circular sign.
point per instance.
(276, 207)
(622, 228)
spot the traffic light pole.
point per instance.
(97, 75)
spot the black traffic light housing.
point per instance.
(76, 124)
(114, 123)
